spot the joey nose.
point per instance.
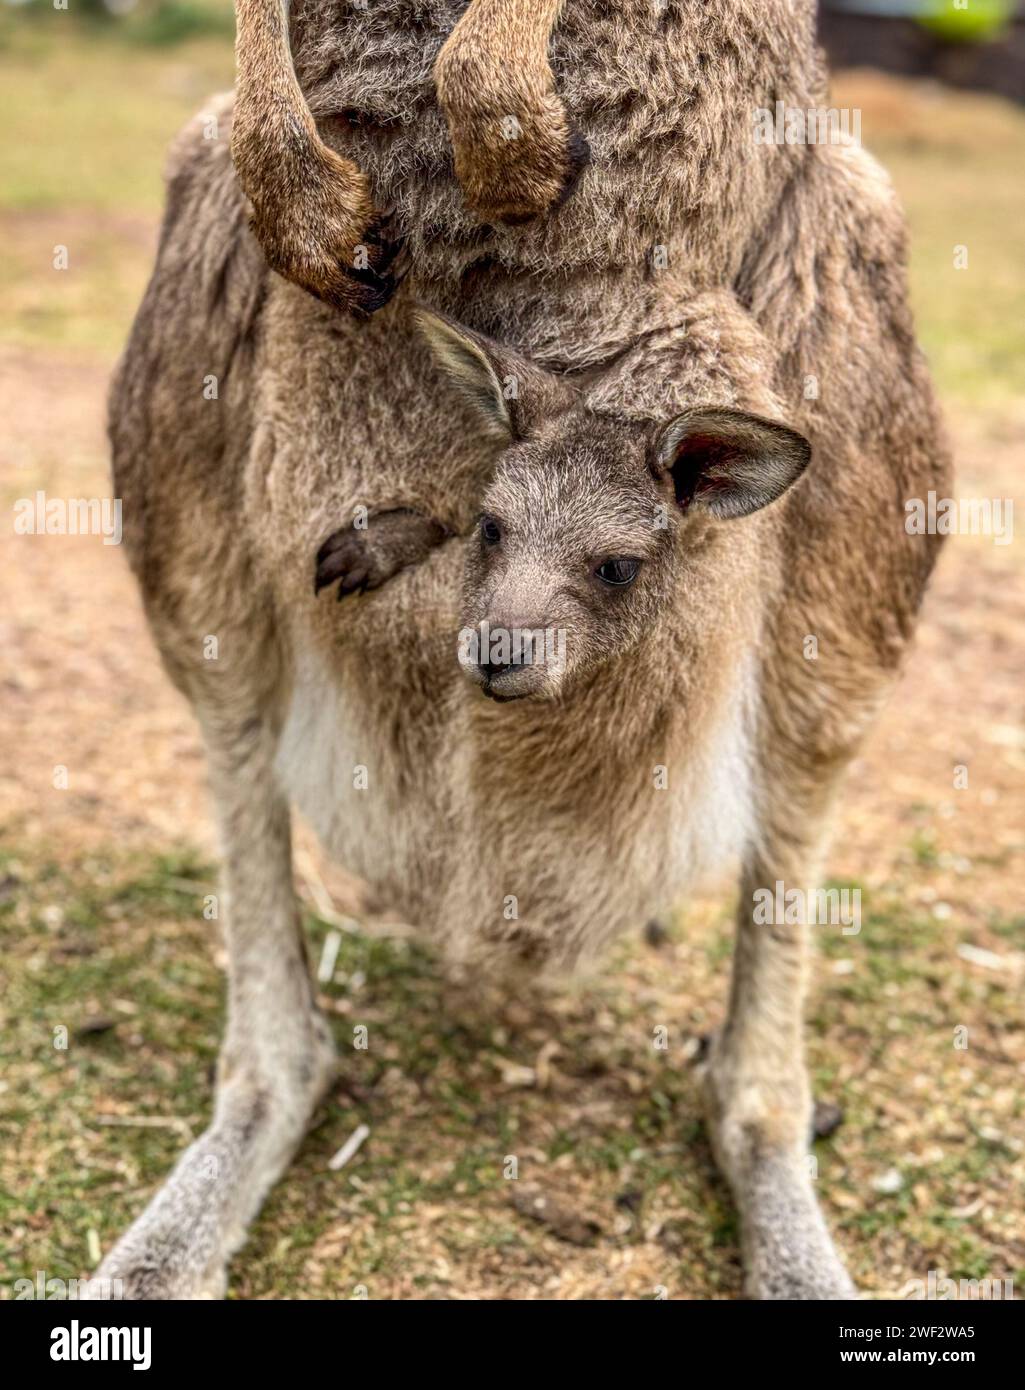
(492, 669)
(508, 643)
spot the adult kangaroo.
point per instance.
(634, 384)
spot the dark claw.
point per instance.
(356, 582)
(384, 248)
(357, 561)
(332, 543)
(369, 288)
(342, 557)
(334, 567)
(370, 291)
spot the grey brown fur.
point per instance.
(784, 263)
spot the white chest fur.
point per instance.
(394, 825)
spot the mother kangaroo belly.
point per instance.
(499, 830)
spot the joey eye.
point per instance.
(490, 531)
(618, 572)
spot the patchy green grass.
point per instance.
(971, 321)
(452, 1083)
(118, 956)
(953, 159)
(88, 117)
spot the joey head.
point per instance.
(577, 548)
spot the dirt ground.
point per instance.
(100, 886)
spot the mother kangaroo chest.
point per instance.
(663, 93)
(510, 828)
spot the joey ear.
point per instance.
(728, 461)
(465, 359)
(507, 392)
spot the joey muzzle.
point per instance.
(512, 656)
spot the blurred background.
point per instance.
(102, 881)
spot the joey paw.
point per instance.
(358, 559)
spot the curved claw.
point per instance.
(387, 264)
(343, 557)
(358, 560)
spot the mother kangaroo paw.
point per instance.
(514, 168)
(356, 272)
(365, 558)
(517, 154)
(516, 162)
(323, 233)
(377, 268)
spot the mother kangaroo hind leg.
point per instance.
(277, 1056)
(756, 1084)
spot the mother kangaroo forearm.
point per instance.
(313, 212)
(516, 154)
(382, 107)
